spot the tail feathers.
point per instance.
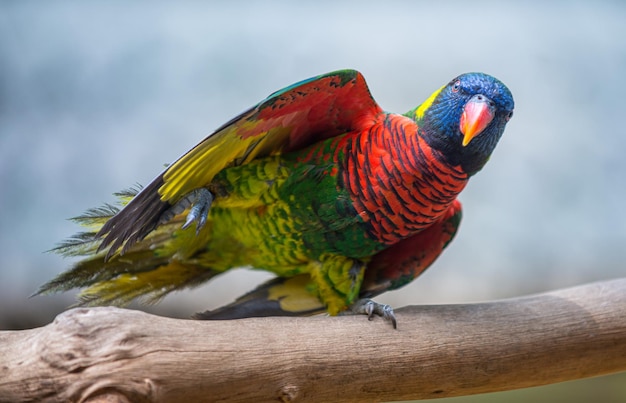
(148, 286)
(146, 271)
(277, 297)
(140, 273)
(135, 221)
(88, 242)
(80, 244)
(94, 270)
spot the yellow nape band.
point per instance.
(419, 112)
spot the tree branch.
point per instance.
(110, 354)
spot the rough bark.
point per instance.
(117, 355)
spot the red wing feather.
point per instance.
(402, 262)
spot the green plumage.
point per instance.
(316, 184)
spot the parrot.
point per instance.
(317, 184)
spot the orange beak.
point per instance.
(477, 115)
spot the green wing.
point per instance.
(295, 117)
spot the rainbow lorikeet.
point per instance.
(317, 184)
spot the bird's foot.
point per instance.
(370, 308)
(200, 201)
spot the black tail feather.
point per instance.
(136, 220)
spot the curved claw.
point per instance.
(200, 201)
(370, 308)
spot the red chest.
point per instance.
(398, 184)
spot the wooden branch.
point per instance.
(110, 354)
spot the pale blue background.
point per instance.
(96, 96)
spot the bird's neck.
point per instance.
(470, 158)
(400, 184)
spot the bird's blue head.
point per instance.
(465, 119)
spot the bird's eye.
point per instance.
(509, 116)
(456, 86)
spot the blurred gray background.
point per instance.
(97, 96)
